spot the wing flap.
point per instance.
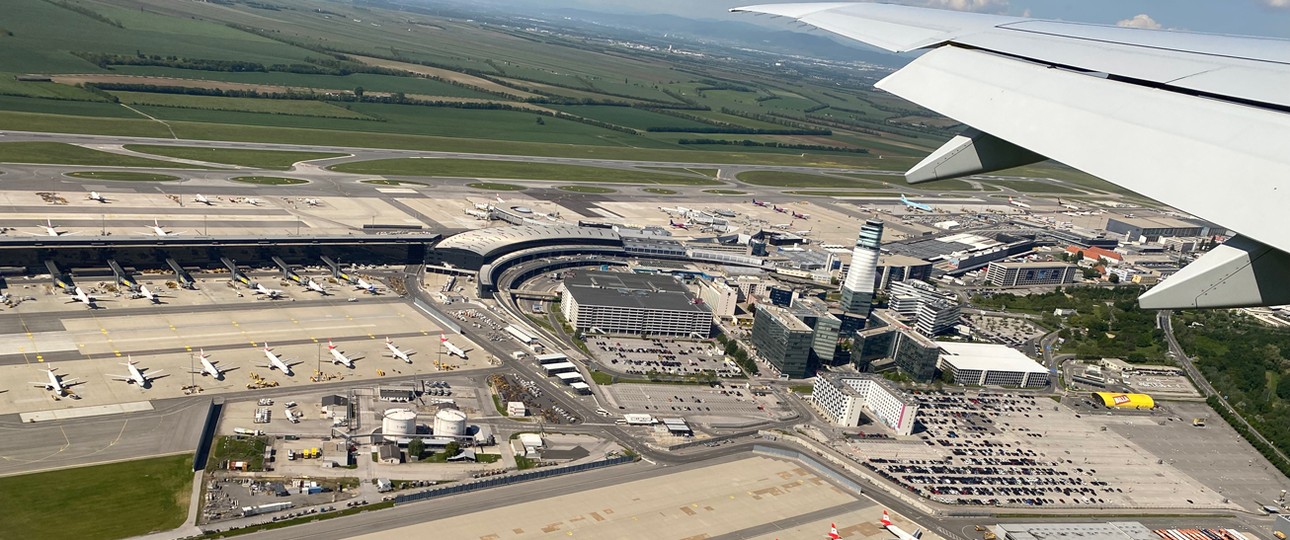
(891, 27)
(1224, 161)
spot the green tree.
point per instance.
(358, 91)
(416, 449)
(453, 448)
(1113, 278)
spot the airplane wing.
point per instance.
(121, 377)
(1196, 121)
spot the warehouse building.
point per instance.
(1024, 274)
(841, 398)
(1115, 400)
(618, 303)
(1152, 229)
(988, 364)
(783, 340)
(1124, 530)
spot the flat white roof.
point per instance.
(987, 357)
(561, 365)
(569, 375)
(581, 386)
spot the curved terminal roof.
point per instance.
(494, 240)
(1126, 401)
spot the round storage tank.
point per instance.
(399, 423)
(450, 423)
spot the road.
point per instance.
(1164, 320)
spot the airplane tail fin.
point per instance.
(918, 533)
(330, 346)
(886, 519)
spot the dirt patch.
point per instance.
(445, 74)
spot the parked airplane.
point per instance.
(453, 350)
(313, 202)
(762, 204)
(95, 196)
(782, 226)
(499, 199)
(396, 352)
(363, 285)
(253, 201)
(1017, 203)
(145, 293)
(55, 384)
(674, 224)
(915, 205)
(807, 232)
(800, 215)
(199, 198)
(780, 210)
(338, 357)
(158, 230)
(900, 533)
(275, 361)
(136, 376)
(316, 287)
(271, 293)
(50, 230)
(84, 298)
(208, 367)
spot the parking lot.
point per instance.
(722, 401)
(998, 449)
(634, 356)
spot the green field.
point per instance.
(794, 180)
(660, 191)
(898, 180)
(394, 183)
(496, 186)
(123, 176)
(262, 159)
(511, 169)
(1036, 186)
(824, 193)
(269, 180)
(587, 189)
(67, 154)
(370, 82)
(111, 501)
(631, 117)
(289, 107)
(725, 192)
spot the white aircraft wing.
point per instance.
(1195, 121)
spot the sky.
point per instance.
(1244, 17)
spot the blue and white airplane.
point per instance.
(915, 205)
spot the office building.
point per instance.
(720, 297)
(1024, 274)
(825, 328)
(988, 364)
(858, 287)
(937, 317)
(933, 312)
(912, 353)
(783, 340)
(897, 268)
(841, 398)
(619, 303)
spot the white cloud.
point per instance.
(1277, 3)
(1142, 20)
(986, 5)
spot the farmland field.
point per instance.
(111, 501)
(631, 117)
(512, 169)
(294, 107)
(370, 82)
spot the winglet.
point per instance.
(973, 152)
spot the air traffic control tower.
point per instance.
(857, 288)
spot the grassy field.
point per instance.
(824, 193)
(124, 176)
(660, 191)
(289, 107)
(511, 169)
(898, 180)
(262, 159)
(725, 192)
(630, 117)
(394, 183)
(710, 173)
(269, 180)
(794, 180)
(111, 501)
(496, 186)
(587, 189)
(67, 154)
(369, 82)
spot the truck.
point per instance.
(247, 432)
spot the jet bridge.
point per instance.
(122, 277)
(181, 275)
(336, 270)
(287, 272)
(61, 280)
(237, 274)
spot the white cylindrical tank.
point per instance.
(450, 423)
(399, 423)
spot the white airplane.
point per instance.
(50, 230)
(499, 199)
(158, 230)
(1118, 103)
(199, 198)
(363, 285)
(271, 293)
(782, 226)
(900, 533)
(1017, 203)
(145, 293)
(95, 196)
(453, 350)
(208, 367)
(396, 352)
(338, 357)
(275, 361)
(135, 376)
(316, 287)
(84, 298)
(799, 215)
(253, 201)
(55, 384)
(313, 202)
(807, 232)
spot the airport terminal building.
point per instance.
(621, 303)
(841, 398)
